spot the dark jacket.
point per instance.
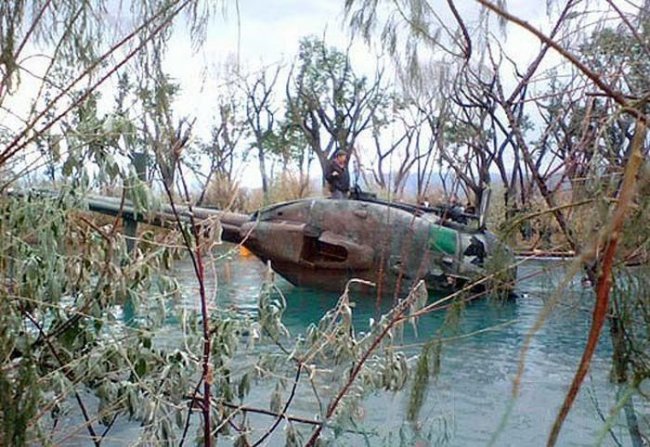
(340, 182)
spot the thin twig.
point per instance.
(198, 270)
(284, 410)
(262, 411)
(189, 413)
(459, 19)
(70, 376)
(205, 314)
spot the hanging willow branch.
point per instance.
(18, 144)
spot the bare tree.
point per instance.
(328, 101)
(222, 149)
(261, 115)
(402, 143)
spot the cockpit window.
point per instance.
(442, 240)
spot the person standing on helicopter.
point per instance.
(337, 176)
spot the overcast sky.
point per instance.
(268, 31)
(265, 32)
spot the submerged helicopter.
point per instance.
(322, 243)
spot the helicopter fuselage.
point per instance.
(323, 243)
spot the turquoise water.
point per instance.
(465, 405)
(467, 402)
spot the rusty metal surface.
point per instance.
(323, 243)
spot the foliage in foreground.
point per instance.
(89, 340)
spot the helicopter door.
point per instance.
(330, 250)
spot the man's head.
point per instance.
(341, 156)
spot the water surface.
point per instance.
(467, 402)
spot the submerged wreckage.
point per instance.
(322, 243)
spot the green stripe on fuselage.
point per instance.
(442, 240)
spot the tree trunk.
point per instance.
(262, 164)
